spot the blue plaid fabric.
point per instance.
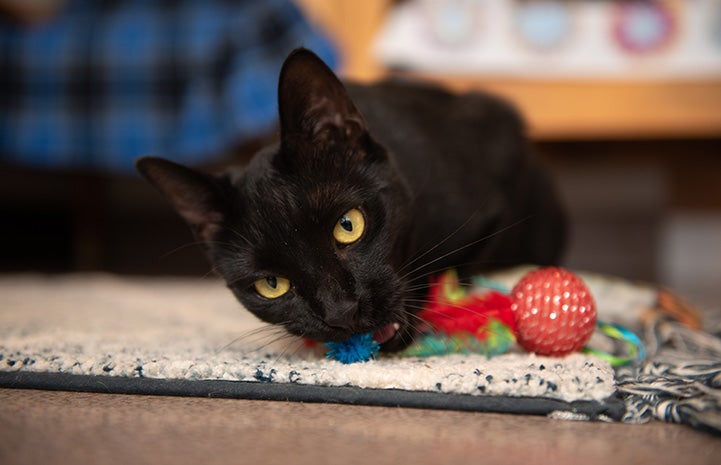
(107, 81)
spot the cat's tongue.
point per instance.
(385, 333)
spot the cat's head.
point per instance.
(311, 235)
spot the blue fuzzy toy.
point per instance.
(359, 348)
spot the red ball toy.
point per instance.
(554, 311)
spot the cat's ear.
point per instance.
(314, 106)
(196, 196)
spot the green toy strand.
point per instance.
(636, 349)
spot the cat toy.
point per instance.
(358, 348)
(454, 322)
(458, 322)
(550, 311)
(554, 311)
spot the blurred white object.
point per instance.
(452, 22)
(544, 24)
(414, 39)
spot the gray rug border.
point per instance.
(612, 407)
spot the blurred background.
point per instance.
(622, 100)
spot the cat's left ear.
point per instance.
(198, 197)
(314, 105)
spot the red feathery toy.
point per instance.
(458, 322)
(452, 310)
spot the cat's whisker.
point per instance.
(449, 304)
(409, 335)
(414, 315)
(470, 244)
(438, 271)
(302, 342)
(211, 271)
(268, 330)
(488, 331)
(274, 341)
(421, 323)
(240, 236)
(194, 244)
(427, 323)
(416, 307)
(297, 343)
(420, 287)
(438, 244)
(179, 248)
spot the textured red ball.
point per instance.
(554, 311)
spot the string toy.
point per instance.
(550, 311)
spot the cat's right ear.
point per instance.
(196, 196)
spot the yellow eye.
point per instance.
(349, 227)
(272, 287)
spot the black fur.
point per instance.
(442, 180)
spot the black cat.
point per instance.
(370, 190)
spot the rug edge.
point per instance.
(612, 407)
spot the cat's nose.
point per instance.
(342, 315)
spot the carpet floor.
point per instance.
(69, 428)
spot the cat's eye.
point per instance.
(349, 227)
(272, 287)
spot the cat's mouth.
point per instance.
(386, 333)
(390, 337)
